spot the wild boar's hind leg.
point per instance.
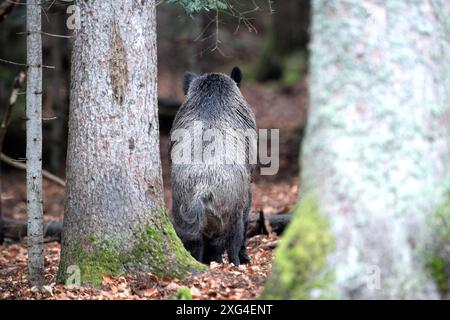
(235, 242)
(214, 251)
(243, 256)
(196, 248)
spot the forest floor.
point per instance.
(274, 108)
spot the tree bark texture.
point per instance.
(115, 220)
(373, 222)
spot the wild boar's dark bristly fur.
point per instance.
(211, 201)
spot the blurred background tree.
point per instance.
(284, 56)
(374, 216)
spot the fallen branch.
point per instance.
(270, 245)
(49, 176)
(16, 230)
(258, 223)
(278, 222)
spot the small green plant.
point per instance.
(183, 293)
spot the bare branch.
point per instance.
(49, 118)
(27, 65)
(19, 165)
(13, 63)
(22, 3)
(47, 34)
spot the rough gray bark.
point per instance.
(376, 156)
(34, 145)
(114, 216)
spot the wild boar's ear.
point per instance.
(236, 75)
(188, 77)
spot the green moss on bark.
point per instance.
(161, 251)
(438, 259)
(440, 274)
(97, 258)
(157, 250)
(300, 266)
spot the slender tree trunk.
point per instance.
(34, 145)
(373, 222)
(115, 219)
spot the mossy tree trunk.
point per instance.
(115, 219)
(374, 219)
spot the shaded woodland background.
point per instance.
(373, 213)
(270, 48)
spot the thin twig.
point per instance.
(48, 175)
(47, 34)
(198, 38)
(50, 5)
(21, 3)
(49, 118)
(233, 11)
(14, 63)
(216, 46)
(27, 65)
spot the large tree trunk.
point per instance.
(115, 219)
(373, 222)
(34, 145)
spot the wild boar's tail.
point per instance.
(194, 218)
